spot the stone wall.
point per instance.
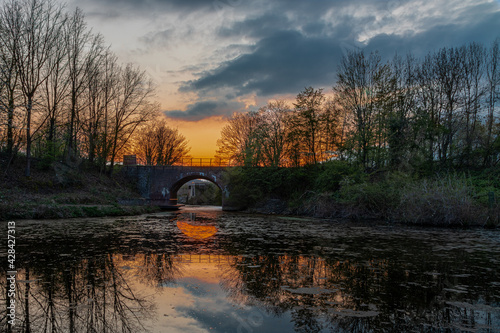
(159, 184)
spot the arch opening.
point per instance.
(197, 190)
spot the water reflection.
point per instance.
(204, 270)
(80, 296)
(193, 229)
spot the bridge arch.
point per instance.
(159, 184)
(178, 184)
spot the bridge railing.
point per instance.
(204, 162)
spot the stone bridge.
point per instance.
(159, 184)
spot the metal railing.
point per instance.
(203, 162)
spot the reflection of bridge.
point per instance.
(204, 258)
(159, 184)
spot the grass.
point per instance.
(444, 200)
(63, 192)
(454, 199)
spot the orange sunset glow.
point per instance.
(201, 135)
(196, 231)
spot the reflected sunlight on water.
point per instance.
(202, 270)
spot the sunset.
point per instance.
(210, 58)
(176, 166)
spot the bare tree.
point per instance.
(82, 50)
(473, 71)
(333, 128)
(273, 131)
(307, 122)
(130, 108)
(427, 120)
(449, 68)
(55, 92)
(10, 34)
(42, 22)
(96, 90)
(239, 142)
(108, 79)
(492, 96)
(356, 87)
(402, 105)
(160, 145)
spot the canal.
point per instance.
(203, 270)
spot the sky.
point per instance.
(210, 58)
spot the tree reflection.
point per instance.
(346, 296)
(71, 282)
(157, 269)
(93, 295)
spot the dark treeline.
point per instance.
(406, 113)
(63, 93)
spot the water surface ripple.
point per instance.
(204, 270)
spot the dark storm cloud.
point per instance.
(257, 27)
(206, 109)
(283, 63)
(484, 30)
(283, 46)
(287, 61)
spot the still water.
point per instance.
(204, 270)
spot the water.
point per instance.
(203, 270)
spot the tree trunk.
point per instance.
(28, 136)
(10, 124)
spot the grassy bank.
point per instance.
(59, 190)
(336, 189)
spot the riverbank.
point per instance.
(65, 191)
(337, 190)
(329, 190)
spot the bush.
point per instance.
(251, 185)
(374, 198)
(331, 174)
(447, 201)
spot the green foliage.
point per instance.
(210, 194)
(332, 173)
(447, 201)
(372, 197)
(484, 182)
(50, 153)
(339, 189)
(250, 185)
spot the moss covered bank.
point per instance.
(62, 190)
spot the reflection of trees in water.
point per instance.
(83, 285)
(347, 296)
(80, 284)
(92, 295)
(155, 269)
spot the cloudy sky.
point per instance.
(211, 58)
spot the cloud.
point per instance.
(258, 27)
(286, 61)
(223, 51)
(483, 30)
(206, 109)
(158, 38)
(120, 8)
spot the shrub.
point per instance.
(447, 201)
(332, 173)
